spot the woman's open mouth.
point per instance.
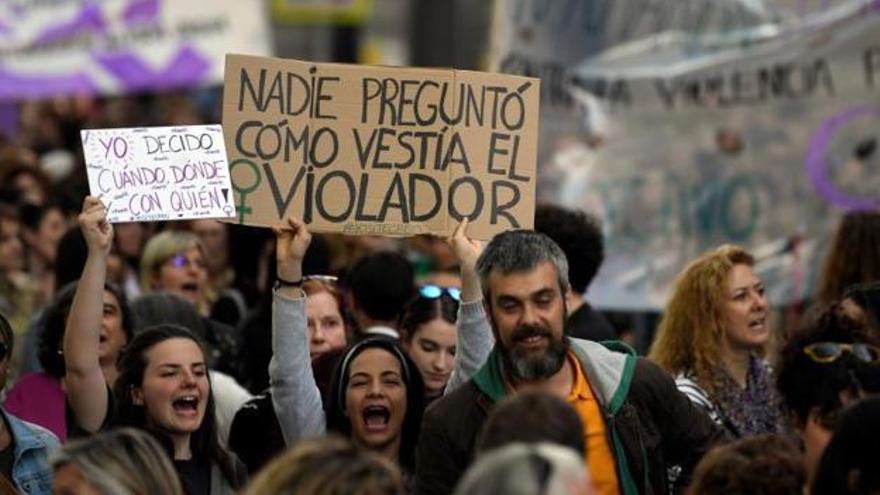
(376, 418)
(187, 405)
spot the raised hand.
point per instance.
(291, 242)
(467, 251)
(97, 231)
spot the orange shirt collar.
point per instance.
(580, 390)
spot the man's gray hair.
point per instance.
(518, 251)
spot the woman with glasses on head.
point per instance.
(429, 335)
(829, 364)
(713, 337)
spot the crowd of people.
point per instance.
(200, 357)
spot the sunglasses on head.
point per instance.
(431, 291)
(828, 352)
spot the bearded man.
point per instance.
(635, 422)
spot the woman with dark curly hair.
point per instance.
(712, 338)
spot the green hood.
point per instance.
(609, 367)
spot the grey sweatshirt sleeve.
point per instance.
(295, 395)
(475, 341)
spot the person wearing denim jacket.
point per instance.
(34, 445)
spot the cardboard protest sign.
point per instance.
(380, 150)
(159, 173)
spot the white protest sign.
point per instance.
(159, 173)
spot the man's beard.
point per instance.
(536, 365)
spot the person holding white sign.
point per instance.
(163, 385)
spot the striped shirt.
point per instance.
(689, 387)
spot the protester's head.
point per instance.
(123, 461)
(524, 277)
(527, 469)
(167, 308)
(325, 314)
(533, 417)
(759, 465)
(328, 466)
(429, 334)
(850, 463)
(717, 306)
(854, 256)
(826, 365)
(376, 398)
(7, 342)
(174, 261)
(163, 387)
(43, 227)
(117, 326)
(11, 246)
(861, 302)
(162, 308)
(579, 235)
(30, 183)
(381, 284)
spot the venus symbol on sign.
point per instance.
(243, 192)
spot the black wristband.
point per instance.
(288, 283)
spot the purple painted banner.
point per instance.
(817, 161)
(122, 46)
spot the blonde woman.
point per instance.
(174, 261)
(125, 461)
(713, 337)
